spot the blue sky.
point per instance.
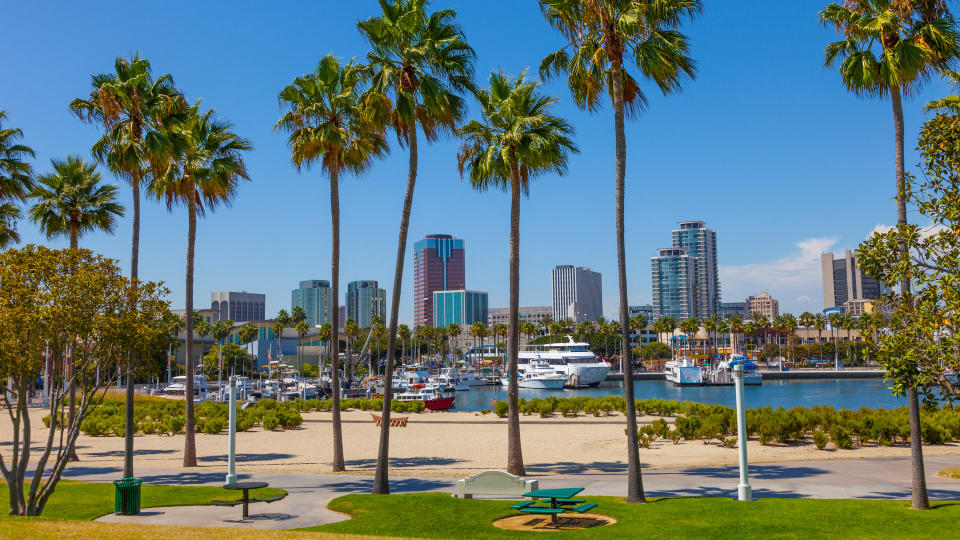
(765, 146)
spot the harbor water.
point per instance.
(845, 393)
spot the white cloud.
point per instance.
(795, 276)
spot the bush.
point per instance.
(174, 424)
(485, 411)
(841, 438)
(934, 434)
(500, 409)
(270, 422)
(820, 439)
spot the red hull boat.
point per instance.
(439, 404)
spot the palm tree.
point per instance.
(377, 330)
(352, 331)
(835, 319)
(515, 140)
(302, 330)
(778, 325)
(865, 325)
(324, 333)
(637, 323)
(736, 327)
(723, 328)
(891, 47)
(690, 326)
(789, 326)
(820, 322)
(545, 324)
(453, 331)
(847, 323)
(282, 321)
(419, 64)
(329, 121)
(16, 181)
(601, 34)
(247, 333)
(219, 332)
(202, 171)
(751, 328)
(403, 332)
(71, 201)
(806, 320)
(710, 326)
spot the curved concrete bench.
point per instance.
(497, 483)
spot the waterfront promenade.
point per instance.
(309, 494)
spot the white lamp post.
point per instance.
(231, 456)
(744, 492)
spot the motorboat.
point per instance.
(450, 378)
(433, 399)
(572, 359)
(178, 386)
(410, 376)
(540, 375)
(751, 376)
(683, 372)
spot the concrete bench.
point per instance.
(497, 483)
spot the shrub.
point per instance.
(934, 434)
(500, 409)
(485, 411)
(174, 424)
(270, 422)
(820, 439)
(213, 426)
(841, 437)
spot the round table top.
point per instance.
(246, 485)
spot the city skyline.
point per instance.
(808, 160)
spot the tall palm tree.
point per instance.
(377, 331)
(751, 328)
(723, 328)
(835, 319)
(806, 321)
(324, 333)
(219, 332)
(247, 333)
(302, 330)
(637, 323)
(736, 328)
(602, 34)
(71, 201)
(15, 180)
(453, 331)
(710, 326)
(330, 122)
(778, 324)
(789, 325)
(516, 139)
(420, 64)
(891, 47)
(403, 332)
(282, 321)
(201, 171)
(820, 322)
(847, 323)
(690, 326)
(130, 104)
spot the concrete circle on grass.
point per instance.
(564, 522)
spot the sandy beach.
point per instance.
(448, 444)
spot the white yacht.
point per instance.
(683, 372)
(750, 374)
(451, 379)
(574, 360)
(540, 375)
(178, 387)
(410, 376)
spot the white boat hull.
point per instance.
(542, 384)
(752, 379)
(584, 375)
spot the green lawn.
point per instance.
(436, 515)
(90, 500)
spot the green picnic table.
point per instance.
(560, 501)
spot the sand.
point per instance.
(449, 444)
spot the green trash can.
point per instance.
(127, 501)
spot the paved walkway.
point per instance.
(309, 493)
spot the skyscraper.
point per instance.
(577, 293)
(438, 265)
(239, 306)
(674, 276)
(843, 281)
(461, 307)
(701, 243)
(365, 300)
(313, 296)
(762, 303)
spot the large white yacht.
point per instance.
(683, 372)
(574, 360)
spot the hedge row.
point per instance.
(820, 423)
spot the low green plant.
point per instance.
(820, 439)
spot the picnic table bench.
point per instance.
(560, 502)
(396, 421)
(246, 499)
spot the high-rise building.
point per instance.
(577, 293)
(461, 307)
(365, 300)
(764, 304)
(438, 265)
(239, 306)
(729, 309)
(646, 310)
(843, 281)
(313, 296)
(534, 314)
(674, 275)
(701, 243)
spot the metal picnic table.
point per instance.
(560, 501)
(246, 487)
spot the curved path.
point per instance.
(309, 494)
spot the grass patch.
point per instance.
(438, 515)
(953, 472)
(56, 530)
(90, 500)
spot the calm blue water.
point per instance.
(848, 393)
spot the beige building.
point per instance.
(844, 282)
(764, 304)
(534, 314)
(856, 308)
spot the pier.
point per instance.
(776, 375)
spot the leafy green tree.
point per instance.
(330, 123)
(16, 181)
(517, 139)
(419, 65)
(201, 171)
(50, 301)
(71, 202)
(219, 332)
(656, 351)
(890, 47)
(605, 39)
(231, 358)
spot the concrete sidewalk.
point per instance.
(306, 505)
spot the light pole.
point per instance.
(744, 492)
(232, 455)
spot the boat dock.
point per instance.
(776, 375)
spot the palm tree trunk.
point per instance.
(634, 477)
(381, 479)
(72, 414)
(514, 451)
(134, 272)
(919, 482)
(338, 463)
(189, 443)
